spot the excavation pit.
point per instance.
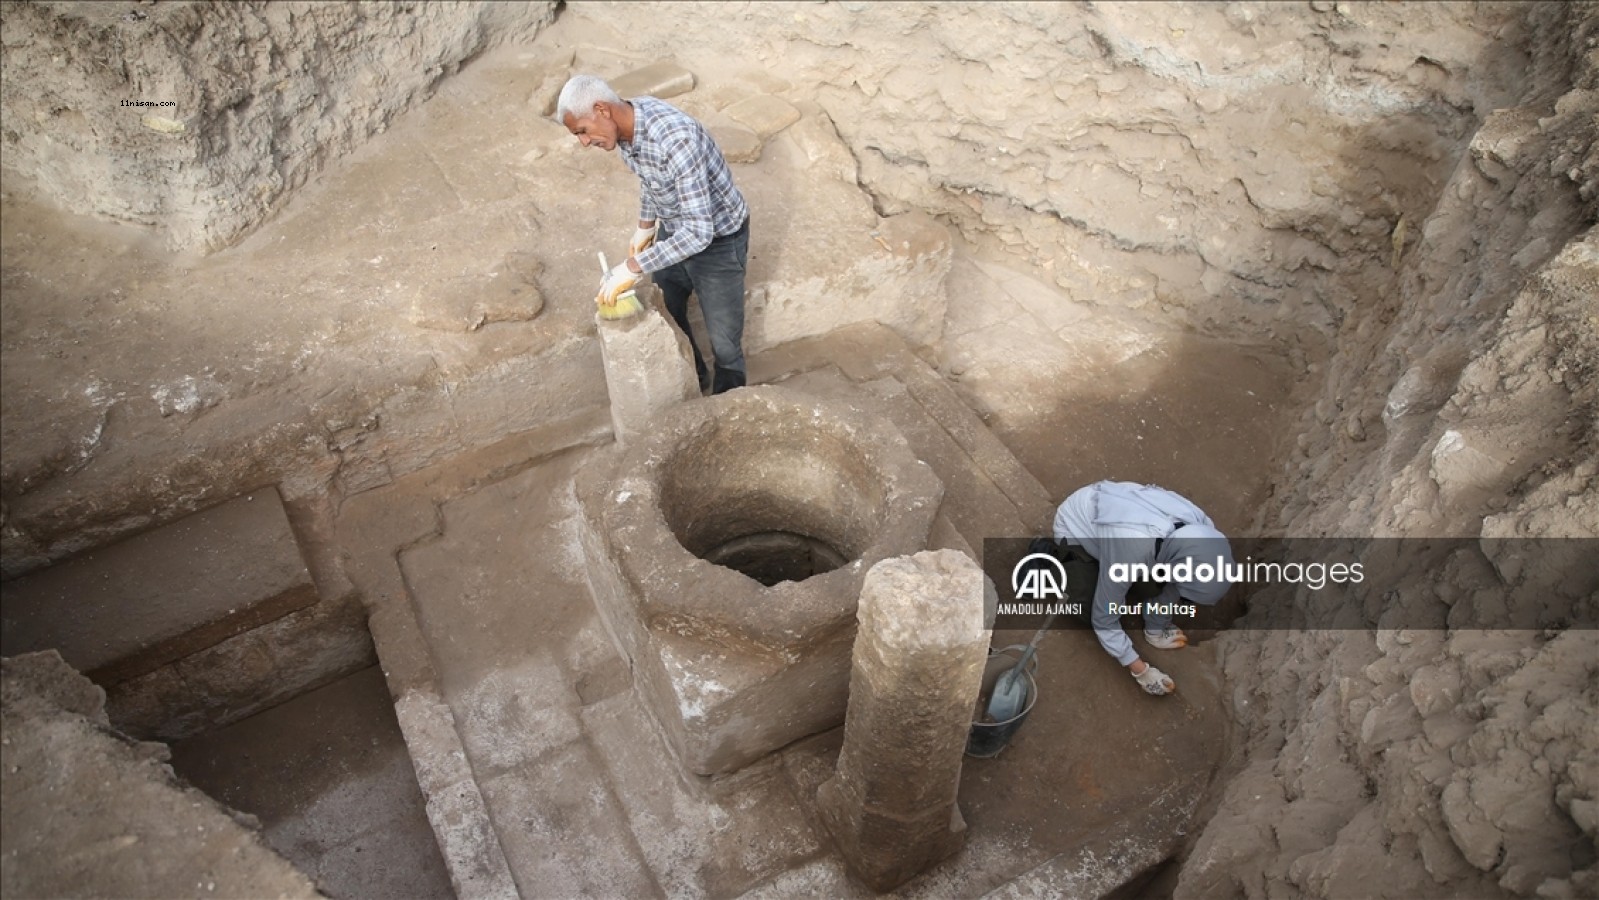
(726, 551)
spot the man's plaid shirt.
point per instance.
(683, 180)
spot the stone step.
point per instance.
(374, 529)
(127, 609)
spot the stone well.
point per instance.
(726, 550)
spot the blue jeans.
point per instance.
(716, 276)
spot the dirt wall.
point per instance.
(1425, 758)
(1241, 167)
(233, 105)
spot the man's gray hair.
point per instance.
(579, 96)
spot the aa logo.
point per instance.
(1029, 581)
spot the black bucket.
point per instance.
(986, 739)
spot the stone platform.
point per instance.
(544, 774)
(725, 553)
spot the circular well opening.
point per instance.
(772, 557)
(774, 497)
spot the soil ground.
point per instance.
(328, 776)
(1081, 393)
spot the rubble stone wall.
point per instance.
(246, 101)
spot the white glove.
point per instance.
(1155, 682)
(642, 239)
(618, 281)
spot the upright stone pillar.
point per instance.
(916, 673)
(647, 368)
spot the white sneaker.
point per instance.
(1169, 638)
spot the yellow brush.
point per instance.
(626, 304)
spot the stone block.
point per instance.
(455, 808)
(722, 711)
(916, 671)
(647, 369)
(819, 141)
(660, 80)
(742, 836)
(894, 277)
(129, 608)
(467, 303)
(738, 143)
(764, 114)
(563, 835)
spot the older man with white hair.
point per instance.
(1126, 527)
(693, 227)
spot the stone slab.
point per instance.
(563, 831)
(659, 79)
(764, 114)
(737, 142)
(160, 596)
(500, 556)
(972, 506)
(246, 673)
(866, 352)
(516, 714)
(455, 807)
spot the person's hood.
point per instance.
(1210, 553)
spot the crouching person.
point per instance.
(1135, 533)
